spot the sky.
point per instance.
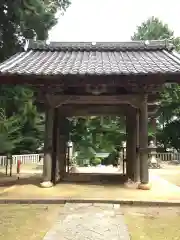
(112, 20)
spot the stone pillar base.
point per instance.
(46, 184)
(73, 169)
(131, 184)
(145, 186)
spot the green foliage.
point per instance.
(21, 125)
(153, 29)
(37, 16)
(97, 133)
(95, 161)
(112, 159)
(170, 135)
(26, 19)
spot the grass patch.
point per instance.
(19, 222)
(152, 223)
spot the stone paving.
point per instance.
(89, 222)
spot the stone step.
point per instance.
(95, 177)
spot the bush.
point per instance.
(95, 161)
(112, 159)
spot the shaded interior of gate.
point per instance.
(121, 105)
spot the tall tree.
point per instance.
(20, 19)
(155, 29)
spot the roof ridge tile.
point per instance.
(100, 46)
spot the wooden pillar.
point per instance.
(128, 148)
(63, 138)
(131, 144)
(54, 148)
(47, 166)
(137, 163)
(143, 144)
(57, 152)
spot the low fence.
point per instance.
(25, 159)
(168, 156)
(35, 158)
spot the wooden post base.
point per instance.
(144, 186)
(46, 184)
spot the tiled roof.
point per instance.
(123, 58)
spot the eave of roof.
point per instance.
(93, 59)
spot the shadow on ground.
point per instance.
(6, 181)
(95, 186)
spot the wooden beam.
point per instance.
(98, 110)
(56, 101)
(133, 99)
(85, 89)
(91, 110)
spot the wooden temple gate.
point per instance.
(134, 108)
(80, 79)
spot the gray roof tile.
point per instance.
(93, 59)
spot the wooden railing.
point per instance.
(34, 158)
